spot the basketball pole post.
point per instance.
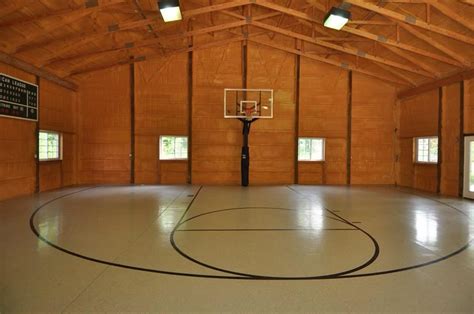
(245, 156)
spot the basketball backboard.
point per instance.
(248, 103)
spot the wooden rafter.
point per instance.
(412, 20)
(328, 61)
(141, 58)
(66, 19)
(304, 17)
(10, 60)
(352, 51)
(452, 14)
(414, 60)
(450, 79)
(442, 47)
(153, 41)
(64, 14)
(79, 41)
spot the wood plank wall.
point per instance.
(58, 113)
(161, 108)
(323, 113)
(18, 141)
(216, 142)
(450, 130)
(272, 141)
(373, 127)
(418, 117)
(104, 127)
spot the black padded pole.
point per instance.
(245, 156)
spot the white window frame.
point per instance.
(323, 149)
(60, 146)
(416, 161)
(160, 154)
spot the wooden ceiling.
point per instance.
(405, 42)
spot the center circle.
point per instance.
(275, 243)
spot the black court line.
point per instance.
(396, 270)
(257, 229)
(194, 275)
(228, 271)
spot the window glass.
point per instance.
(427, 149)
(311, 149)
(49, 145)
(173, 147)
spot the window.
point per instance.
(310, 149)
(49, 146)
(426, 149)
(173, 147)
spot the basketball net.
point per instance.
(248, 113)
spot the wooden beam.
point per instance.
(442, 47)
(151, 42)
(328, 61)
(87, 8)
(466, 22)
(411, 20)
(414, 60)
(352, 51)
(7, 59)
(402, 76)
(454, 78)
(216, 7)
(306, 18)
(379, 23)
(65, 20)
(395, 43)
(390, 42)
(142, 58)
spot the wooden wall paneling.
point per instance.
(216, 142)
(37, 130)
(161, 108)
(450, 134)
(440, 139)
(469, 106)
(18, 142)
(418, 117)
(323, 112)
(105, 127)
(272, 141)
(57, 113)
(372, 142)
(297, 113)
(132, 123)
(461, 139)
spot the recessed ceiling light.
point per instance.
(337, 18)
(170, 10)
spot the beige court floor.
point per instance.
(233, 249)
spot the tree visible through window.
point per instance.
(49, 146)
(310, 149)
(173, 147)
(426, 149)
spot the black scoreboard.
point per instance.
(18, 99)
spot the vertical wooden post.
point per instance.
(461, 139)
(37, 130)
(440, 139)
(244, 63)
(297, 110)
(190, 115)
(132, 122)
(349, 129)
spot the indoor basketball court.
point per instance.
(236, 156)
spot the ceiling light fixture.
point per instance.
(170, 10)
(336, 18)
